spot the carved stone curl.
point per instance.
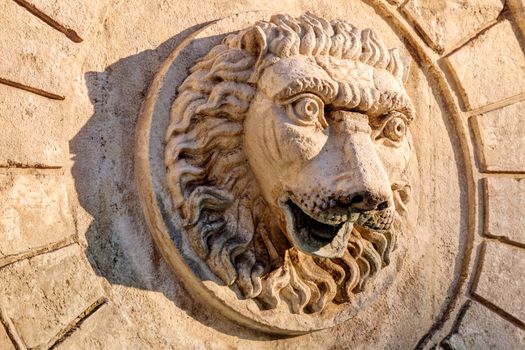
(287, 163)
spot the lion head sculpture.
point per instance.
(287, 155)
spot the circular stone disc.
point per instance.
(167, 229)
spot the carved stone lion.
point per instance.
(287, 155)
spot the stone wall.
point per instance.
(78, 268)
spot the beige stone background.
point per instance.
(65, 139)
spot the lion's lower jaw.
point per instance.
(327, 233)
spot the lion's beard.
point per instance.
(307, 283)
(238, 247)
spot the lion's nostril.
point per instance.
(382, 206)
(357, 199)
(365, 201)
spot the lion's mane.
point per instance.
(216, 194)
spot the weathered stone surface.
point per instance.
(44, 294)
(34, 212)
(77, 16)
(516, 6)
(482, 329)
(504, 196)
(105, 329)
(25, 116)
(116, 92)
(33, 53)
(502, 279)
(395, 2)
(446, 23)
(332, 160)
(517, 9)
(108, 80)
(501, 138)
(489, 68)
(5, 342)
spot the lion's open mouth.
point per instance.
(327, 238)
(305, 224)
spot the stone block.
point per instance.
(501, 138)
(5, 342)
(77, 16)
(501, 278)
(489, 68)
(33, 53)
(444, 24)
(44, 294)
(32, 129)
(505, 208)
(480, 328)
(105, 329)
(34, 213)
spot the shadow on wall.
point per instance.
(120, 246)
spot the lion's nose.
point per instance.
(364, 182)
(366, 200)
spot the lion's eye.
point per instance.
(395, 128)
(307, 109)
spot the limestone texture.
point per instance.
(79, 266)
(505, 195)
(344, 176)
(477, 328)
(517, 9)
(28, 58)
(500, 138)
(5, 342)
(77, 17)
(34, 213)
(501, 279)
(446, 23)
(34, 118)
(105, 329)
(44, 294)
(489, 68)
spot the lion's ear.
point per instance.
(253, 41)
